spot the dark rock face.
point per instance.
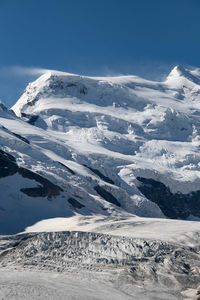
(33, 119)
(68, 169)
(98, 173)
(106, 195)
(48, 189)
(16, 135)
(9, 167)
(75, 203)
(58, 86)
(172, 205)
(21, 138)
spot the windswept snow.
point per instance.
(153, 125)
(123, 127)
(135, 227)
(91, 171)
(16, 285)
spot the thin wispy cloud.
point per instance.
(14, 79)
(22, 71)
(147, 69)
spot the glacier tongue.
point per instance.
(127, 267)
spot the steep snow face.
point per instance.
(40, 179)
(81, 163)
(125, 125)
(95, 138)
(181, 76)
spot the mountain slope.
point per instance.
(113, 146)
(39, 179)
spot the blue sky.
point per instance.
(95, 37)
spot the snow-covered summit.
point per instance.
(182, 77)
(98, 90)
(102, 145)
(94, 169)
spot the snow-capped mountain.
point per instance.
(111, 146)
(94, 170)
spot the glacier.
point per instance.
(108, 159)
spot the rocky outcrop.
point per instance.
(75, 203)
(106, 195)
(100, 175)
(175, 206)
(66, 167)
(9, 167)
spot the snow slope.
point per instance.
(176, 231)
(151, 126)
(92, 171)
(114, 146)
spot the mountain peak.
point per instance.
(178, 71)
(180, 76)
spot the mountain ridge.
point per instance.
(96, 138)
